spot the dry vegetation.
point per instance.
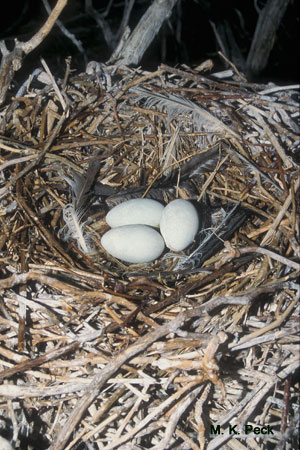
(98, 354)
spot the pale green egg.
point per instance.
(133, 243)
(138, 211)
(179, 224)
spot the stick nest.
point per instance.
(99, 354)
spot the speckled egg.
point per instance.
(179, 224)
(133, 243)
(142, 211)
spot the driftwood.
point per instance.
(102, 354)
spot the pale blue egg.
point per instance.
(179, 224)
(140, 211)
(133, 243)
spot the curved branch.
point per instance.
(12, 61)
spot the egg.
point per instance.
(133, 243)
(142, 211)
(4, 444)
(179, 224)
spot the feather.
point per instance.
(211, 240)
(82, 183)
(74, 228)
(73, 213)
(250, 166)
(202, 119)
(201, 163)
(165, 190)
(163, 193)
(176, 105)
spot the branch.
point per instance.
(12, 61)
(135, 46)
(38, 38)
(139, 346)
(265, 33)
(102, 23)
(65, 31)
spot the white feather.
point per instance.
(74, 228)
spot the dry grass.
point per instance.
(98, 354)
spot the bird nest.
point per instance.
(196, 350)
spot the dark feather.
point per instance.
(165, 190)
(251, 166)
(210, 240)
(201, 163)
(83, 184)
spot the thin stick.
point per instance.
(140, 345)
(281, 213)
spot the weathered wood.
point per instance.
(135, 46)
(265, 35)
(12, 61)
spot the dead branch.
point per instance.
(265, 33)
(12, 61)
(135, 46)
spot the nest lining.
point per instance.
(97, 352)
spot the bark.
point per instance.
(12, 61)
(265, 34)
(135, 46)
